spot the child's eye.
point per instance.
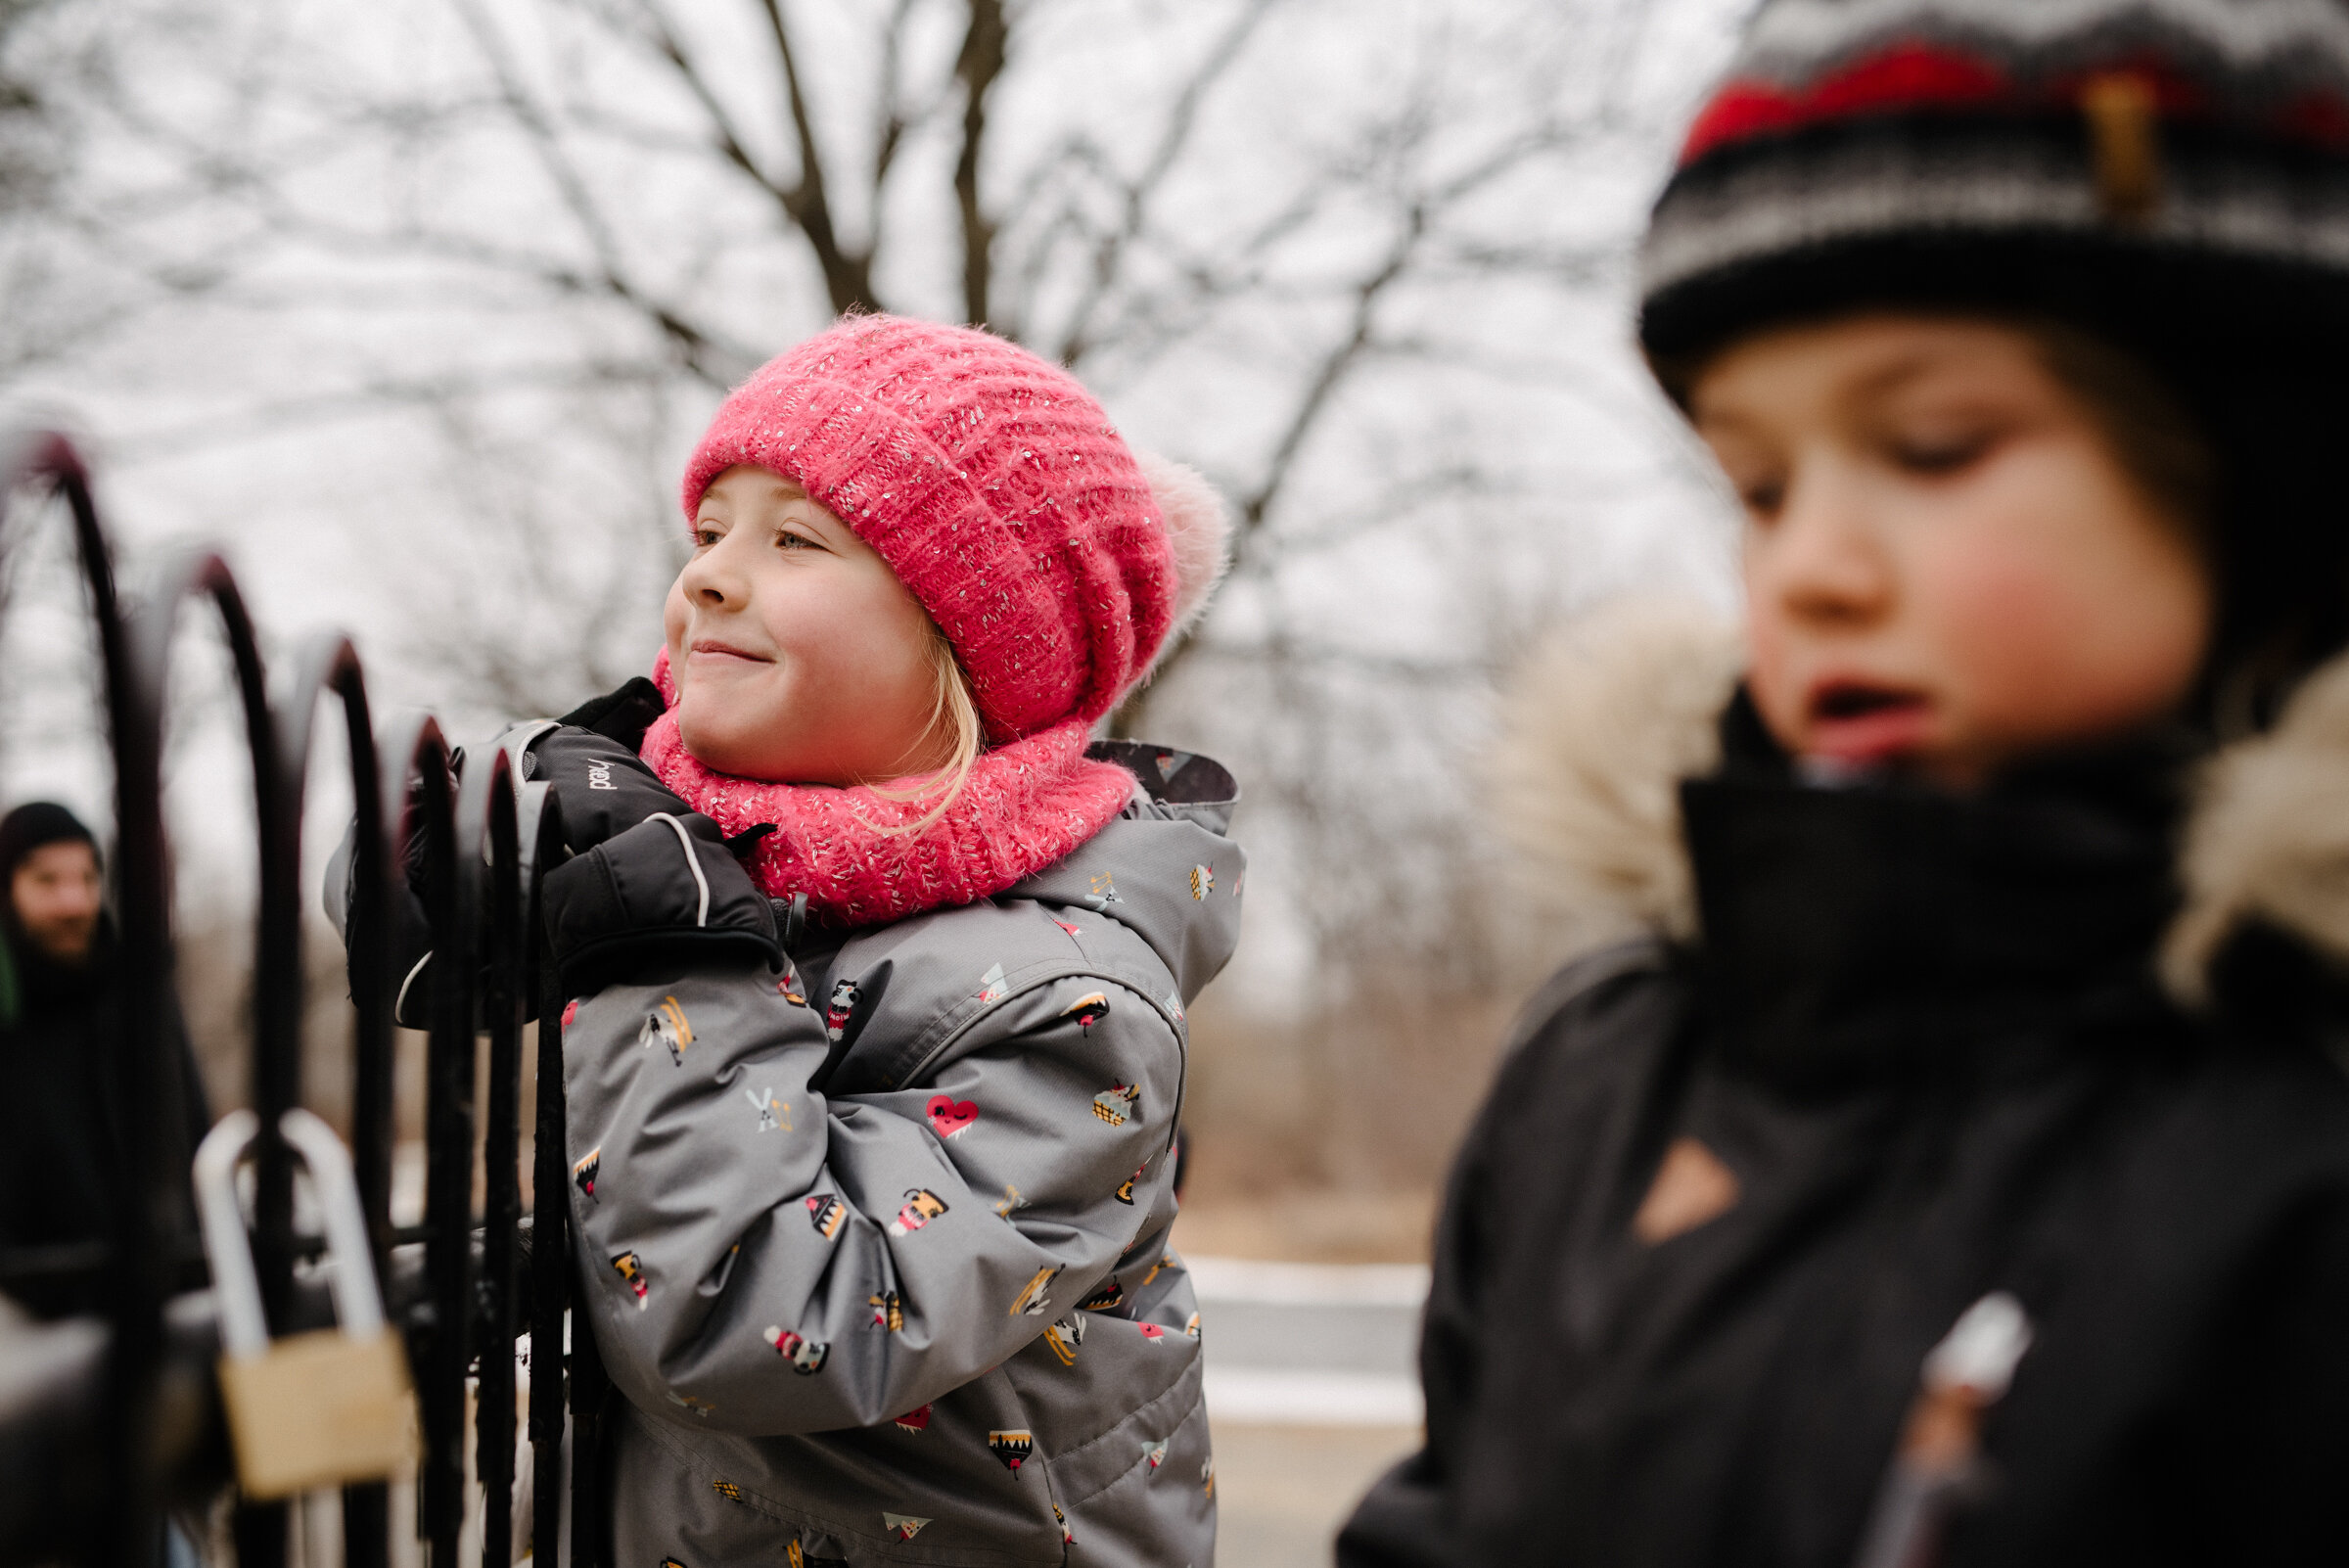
(785, 539)
(1941, 454)
(704, 537)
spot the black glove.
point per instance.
(603, 786)
(411, 934)
(622, 716)
(608, 790)
(653, 885)
(651, 900)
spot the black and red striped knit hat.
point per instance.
(2171, 175)
(2093, 157)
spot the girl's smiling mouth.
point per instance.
(1858, 722)
(713, 648)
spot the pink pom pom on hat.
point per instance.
(996, 489)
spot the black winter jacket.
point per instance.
(71, 1109)
(1926, 1038)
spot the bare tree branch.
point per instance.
(692, 346)
(981, 62)
(848, 274)
(1257, 503)
(723, 130)
(1109, 253)
(370, 395)
(890, 103)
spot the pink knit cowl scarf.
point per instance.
(1025, 804)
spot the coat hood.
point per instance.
(1603, 723)
(1165, 868)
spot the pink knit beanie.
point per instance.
(999, 491)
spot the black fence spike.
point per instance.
(541, 837)
(504, 1000)
(478, 844)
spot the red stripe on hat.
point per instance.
(2317, 119)
(1907, 76)
(1912, 75)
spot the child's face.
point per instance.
(1946, 567)
(799, 656)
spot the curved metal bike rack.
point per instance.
(481, 836)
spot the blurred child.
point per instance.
(872, 1182)
(1958, 1168)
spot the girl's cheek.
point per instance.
(676, 618)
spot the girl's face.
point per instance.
(799, 656)
(1946, 567)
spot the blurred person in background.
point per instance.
(59, 1033)
(56, 895)
(1957, 1168)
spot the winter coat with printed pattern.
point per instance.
(878, 1253)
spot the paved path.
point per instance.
(1312, 1392)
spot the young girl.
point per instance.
(872, 1182)
(1959, 1168)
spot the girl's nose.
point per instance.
(1823, 560)
(713, 578)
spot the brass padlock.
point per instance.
(316, 1410)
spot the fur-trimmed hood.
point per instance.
(1602, 724)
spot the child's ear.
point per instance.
(1198, 526)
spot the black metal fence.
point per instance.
(106, 1422)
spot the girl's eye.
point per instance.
(703, 537)
(785, 539)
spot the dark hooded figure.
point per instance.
(66, 1096)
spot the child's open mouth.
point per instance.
(1855, 722)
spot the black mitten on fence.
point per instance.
(605, 787)
(651, 900)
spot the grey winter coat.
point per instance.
(878, 1251)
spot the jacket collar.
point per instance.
(2139, 860)
(1869, 930)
